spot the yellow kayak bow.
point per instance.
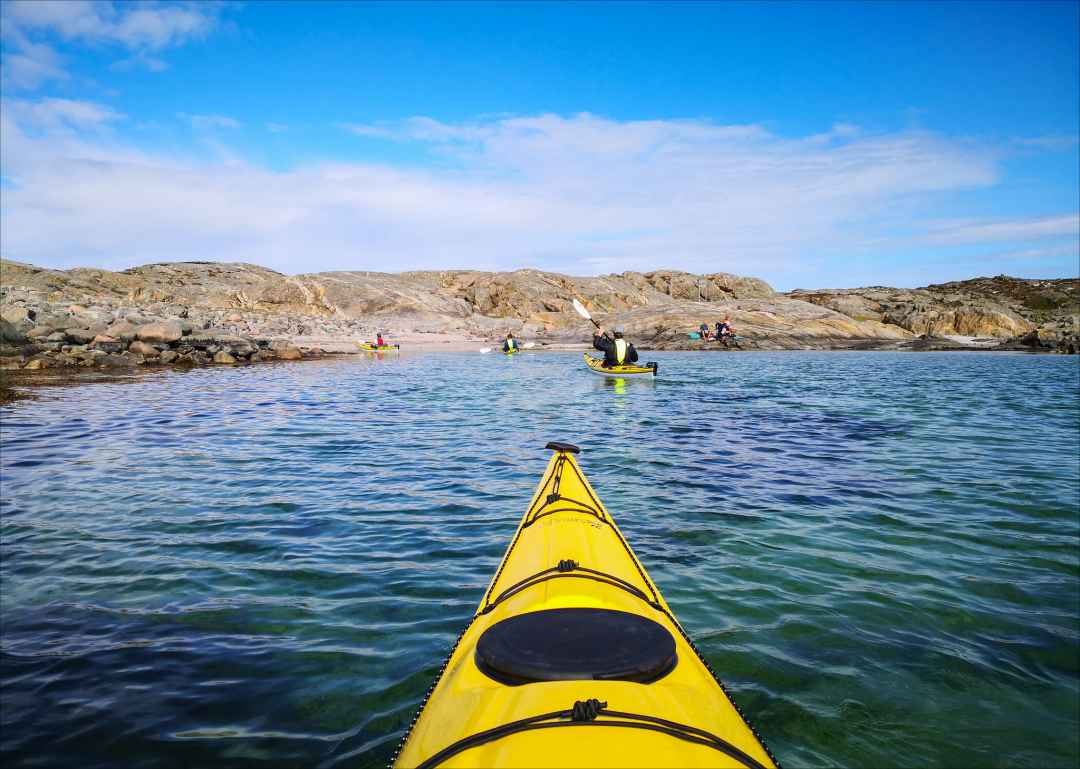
(574, 659)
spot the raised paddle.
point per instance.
(585, 313)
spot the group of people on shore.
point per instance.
(725, 332)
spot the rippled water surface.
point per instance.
(265, 566)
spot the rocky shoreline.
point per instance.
(85, 337)
(197, 313)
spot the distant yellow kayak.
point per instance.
(596, 365)
(573, 659)
(368, 347)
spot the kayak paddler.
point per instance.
(511, 344)
(617, 351)
(379, 340)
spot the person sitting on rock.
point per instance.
(511, 344)
(704, 330)
(724, 331)
(617, 351)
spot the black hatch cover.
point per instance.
(576, 645)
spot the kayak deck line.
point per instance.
(568, 568)
(536, 639)
(584, 713)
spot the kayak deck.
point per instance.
(596, 365)
(376, 348)
(572, 635)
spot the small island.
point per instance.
(203, 313)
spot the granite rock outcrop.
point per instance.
(194, 313)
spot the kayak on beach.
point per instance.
(574, 659)
(596, 365)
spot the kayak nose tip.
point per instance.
(569, 448)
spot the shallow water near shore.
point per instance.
(265, 566)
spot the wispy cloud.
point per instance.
(965, 232)
(203, 122)
(1049, 143)
(1068, 250)
(52, 115)
(26, 65)
(276, 128)
(147, 26)
(31, 28)
(139, 61)
(575, 194)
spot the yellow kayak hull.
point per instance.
(375, 348)
(596, 365)
(569, 559)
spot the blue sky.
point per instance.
(811, 144)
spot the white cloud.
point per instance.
(139, 28)
(204, 122)
(150, 27)
(1035, 254)
(59, 114)
(965, 232)
(1050, 142)
(27, 65)
(575, 194)
(276, 128)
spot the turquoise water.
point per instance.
(265, 566)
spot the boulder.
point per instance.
(238, 345)
(223, 357)
(142, 348)
(167, 332)
(17, 315)
(39, 332)
(290, 353)
(108, 344)
(11, 335)
(79, 335)
(122, 330)
(37, 363)
(169, 356)
(113, 360)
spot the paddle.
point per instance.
(585, 313)
(485, 350)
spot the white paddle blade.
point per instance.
(581, 310)
(485, 350)
(529, 345)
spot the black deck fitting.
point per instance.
(560, 446)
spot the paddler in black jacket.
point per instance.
(617, 351)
